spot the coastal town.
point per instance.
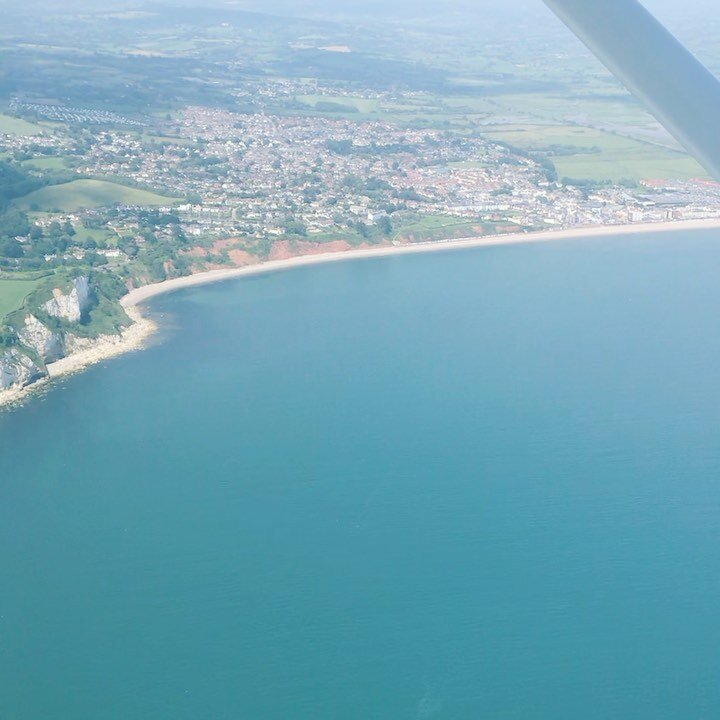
(261, 176)
(96, 209)
(236, 183)
(101, 209)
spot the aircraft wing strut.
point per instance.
(675, 87)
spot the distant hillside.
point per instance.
(79, 194)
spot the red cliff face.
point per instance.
(285, 249)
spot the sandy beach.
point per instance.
(135, 336)
(107, 346)
(140, 295)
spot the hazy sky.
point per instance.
(676, 9)
(415, 7)
(696, 22)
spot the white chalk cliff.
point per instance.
(38, 344)
(73, 305)
(49, 345)
(17, 370)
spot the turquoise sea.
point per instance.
(468, 485)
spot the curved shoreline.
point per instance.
(107, 346)
(140, 295)
(135, 336)
(103, 348)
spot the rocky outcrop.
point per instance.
(73, 305)
(75, 344)
(18, 370)
(49, 345)
(42, 347)
(37, 344)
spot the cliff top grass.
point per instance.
(13, 294)
(79, 194)
(106, 316)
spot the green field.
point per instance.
(539, 136)
(362, 105)
(653, 163)
(12, 294)
(440, 227)
(571, 108)
(583, 153)
(167, 140)
(86, 194)
(102, 236)
(14, 126)
(46, 163)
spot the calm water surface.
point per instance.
(481, 484)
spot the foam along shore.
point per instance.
(131, 338)
(135, 336)
(142, 294)
(89, 352)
